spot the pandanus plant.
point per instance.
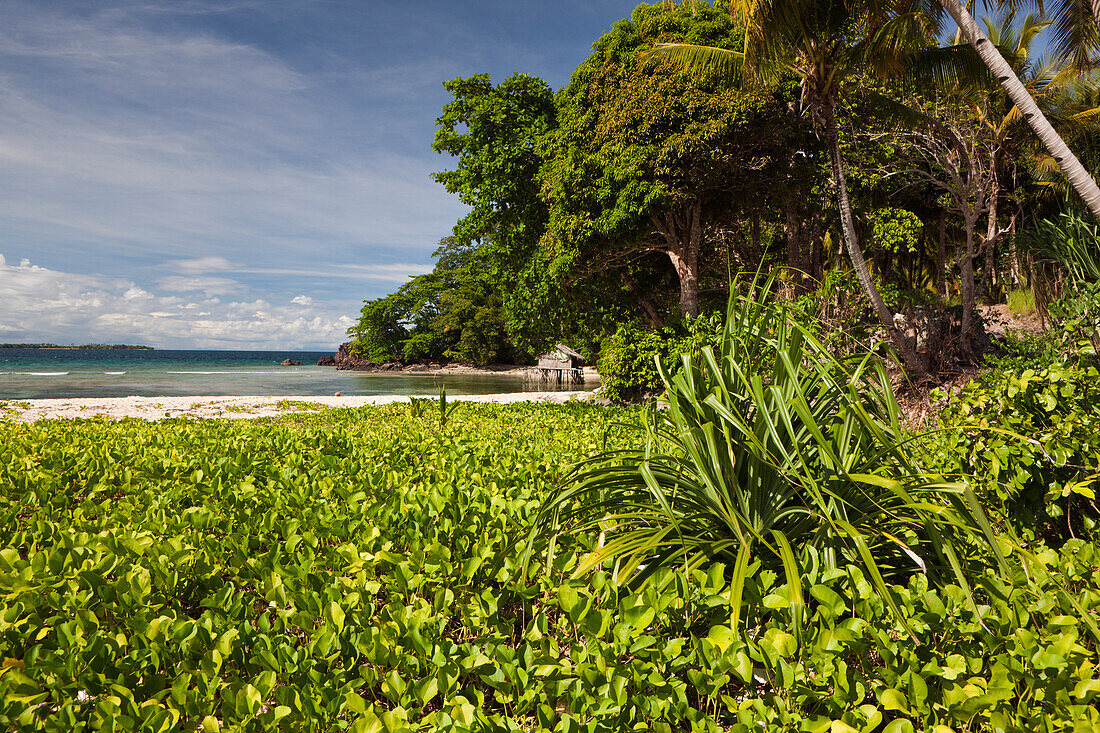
(767, 446)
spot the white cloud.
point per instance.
(200, 265)
(49, 305)
(144, 140)
(210, 286)
(396, 273)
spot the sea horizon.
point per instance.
(37, 373)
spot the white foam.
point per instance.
(239, 372)
(114, 372)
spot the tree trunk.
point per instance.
(817, 251)
(793, 234)
(989, 246)
(1013, 255)
(966, 283)
(863, 274)
(684, 237)
(1079, 177)
(941, 258)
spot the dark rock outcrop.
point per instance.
(348, 361)
(290, 362)
(327, 361)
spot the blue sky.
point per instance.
(238, 174)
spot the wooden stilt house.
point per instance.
(562, 365)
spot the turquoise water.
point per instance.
(74, 373)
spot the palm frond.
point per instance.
(1069, 244)
(706, 62)
(896, 40)
(948, 67)
(893, 112)
(1076, 35)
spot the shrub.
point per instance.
(1032, 434)
(628, 359)
(839, 312)
(770, 450)
(1076, 316)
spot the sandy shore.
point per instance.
(158, 408)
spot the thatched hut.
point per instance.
(561, 364)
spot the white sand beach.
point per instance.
(159, 408)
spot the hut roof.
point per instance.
(569, 352)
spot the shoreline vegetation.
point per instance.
(102, 347)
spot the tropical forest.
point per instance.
(838, 265)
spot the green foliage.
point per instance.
(380, 333)
(641, 149)
(493, 132)
(301, 574)
(1019, 662)
(769, 444)
(1068, 243)
(895, 230)
(838, 312)
(454, 313)
(1032, 436)
(627, 363)
(1076, 316)
(348, 570)
(496, 135)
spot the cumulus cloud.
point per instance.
(43, 304)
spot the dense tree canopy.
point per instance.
(634, 193)
(645, 160)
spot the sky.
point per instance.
(238, 174)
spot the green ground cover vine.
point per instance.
(360, 570)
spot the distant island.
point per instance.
(83, 346)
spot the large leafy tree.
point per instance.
(493, 131)
(496, 134)
(643, 161)
(454, 313)
(825, 43)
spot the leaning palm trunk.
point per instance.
(1075, 172)
(859, 264)
(771, 451)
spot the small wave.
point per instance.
(114, 372)
(238, 372)
(41, 374)
(198, 372)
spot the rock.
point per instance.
(345, 360)
(290, 362)
(337, 394)
(327, 361)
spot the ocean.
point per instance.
(74, 373)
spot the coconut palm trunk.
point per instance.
(1078, 176)
(859, 264)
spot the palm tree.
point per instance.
(1064, 95)
(1076, 27)
(1076, 173)
(814, 40)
